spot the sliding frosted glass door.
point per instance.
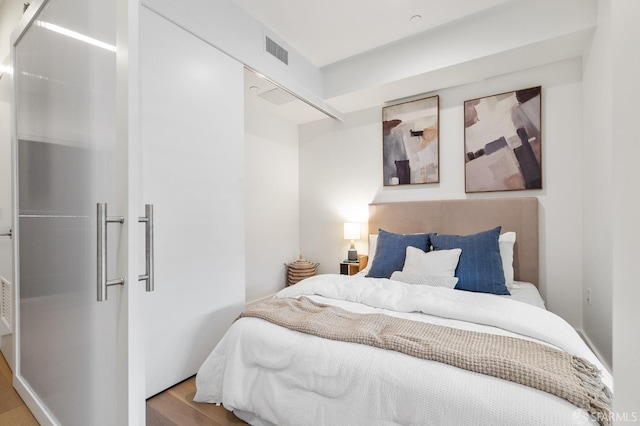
(70, 352)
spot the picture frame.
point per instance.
(410, 142)
(503, 141)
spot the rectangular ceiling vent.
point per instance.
(276, 50)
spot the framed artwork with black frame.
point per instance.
(502, 141)
(410, 139)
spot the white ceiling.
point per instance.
(266, 96)
(326, 31)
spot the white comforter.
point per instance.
(284, 377)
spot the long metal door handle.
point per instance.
(6, 233)
(148, 243)
(103, 282)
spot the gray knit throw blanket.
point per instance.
(521, 361)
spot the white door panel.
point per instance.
(70, 365)
(193, 162)
(81, 362)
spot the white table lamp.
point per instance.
(352, 232)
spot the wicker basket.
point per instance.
(299, 270)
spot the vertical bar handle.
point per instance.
(148, 248)
(103, 282)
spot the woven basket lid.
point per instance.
(301, 264)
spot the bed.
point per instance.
(349, 350)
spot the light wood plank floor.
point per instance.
(173, 407)
(12, 409)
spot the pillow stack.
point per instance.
(481, 262)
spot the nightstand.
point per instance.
(352, 268)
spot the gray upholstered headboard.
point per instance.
(465, 217)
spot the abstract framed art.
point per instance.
(502, 141)
(410, 133)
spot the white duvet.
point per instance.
(274, 376)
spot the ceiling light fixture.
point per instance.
(415, 18)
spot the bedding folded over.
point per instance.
(521, 361)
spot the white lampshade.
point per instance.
(352, 231)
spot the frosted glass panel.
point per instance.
(66, 125)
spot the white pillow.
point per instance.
(373, 241)
(438, 263)
(431, 280)
(506, 242)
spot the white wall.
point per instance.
(598, 181)
(10, 14)
(611, 208)
(625, 37)
(271, 197)
(341, 172)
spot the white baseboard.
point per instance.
(593, 348)
(262, 299)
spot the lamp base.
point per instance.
(352, 254)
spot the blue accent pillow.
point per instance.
(480, 265)
(391, 250)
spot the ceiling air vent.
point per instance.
(276, 50)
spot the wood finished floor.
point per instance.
(13, 412)
(173, 407)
